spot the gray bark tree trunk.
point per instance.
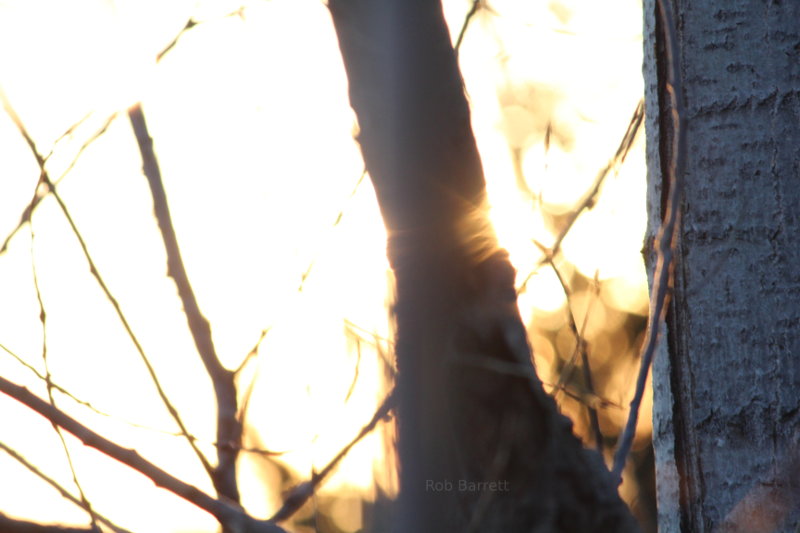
(481, 446)
(727, 380)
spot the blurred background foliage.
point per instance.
(283, 242)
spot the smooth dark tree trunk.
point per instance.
(727, 384)
(481, 446)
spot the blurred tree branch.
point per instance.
(667, 236)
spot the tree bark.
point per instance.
(727, 382)
(481, 446)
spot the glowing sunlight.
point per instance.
(280, 234)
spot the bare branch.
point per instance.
(253, 351)
(91, 407)
(191, 23)
(589, 384)
(476, 4)
(300, 494)
(44, 179)
(84, 501)
(306, 273)
(227, 513)
(55, 386)
(12, 525)
(229, 429)
(473, 10)
(580, 349)
(667, 233)
(349, 333)
(41, 192)
(336, 222)
(590, 197)
(53, 483)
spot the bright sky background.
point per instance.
(253, 131)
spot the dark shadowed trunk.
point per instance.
(727, 384)
(481, 446)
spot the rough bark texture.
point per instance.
(727, 383)
(481, 446)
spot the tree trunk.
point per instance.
(481, 446)
(727, 382)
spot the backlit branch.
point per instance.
(228, 514)
(580, 350)
(91, 407)
(191, 23)
(302, 492)
(41, 192)
(590, 197)
(229, 428)
(476, 4)
(53, 483)
(45, 181)
(84, 501)
(667, 234)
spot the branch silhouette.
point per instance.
(302, 492)
(229, 514)
(590, 197)
(229, 428)
(667, 234)
(64, 492)
(84, 500)
(45, 181)
(41, 192)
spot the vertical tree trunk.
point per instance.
(727, 383)
(481, 446)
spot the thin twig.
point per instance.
(350, 333)
(253, 351)
(476, 4)
(580, 342)
(228, 514)
(377, 341)
(667, 233)
(12, 525)
(69, 132)
(594, 420)
(300, 494)
(44, 179)
(191, 23)
(355, 329)
(580, 349)
(229, 429)
(91, 407)
(53, 483)
(515, 369)
(41, 192)
(336, 222)
(304, 277)
(85, 503)
(590, 197)
(93, 137)
(55, 385)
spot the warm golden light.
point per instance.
(252, 128)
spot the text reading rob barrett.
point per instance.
(464, 485)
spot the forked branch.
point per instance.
(230, 515)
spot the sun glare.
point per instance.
(251, 124)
